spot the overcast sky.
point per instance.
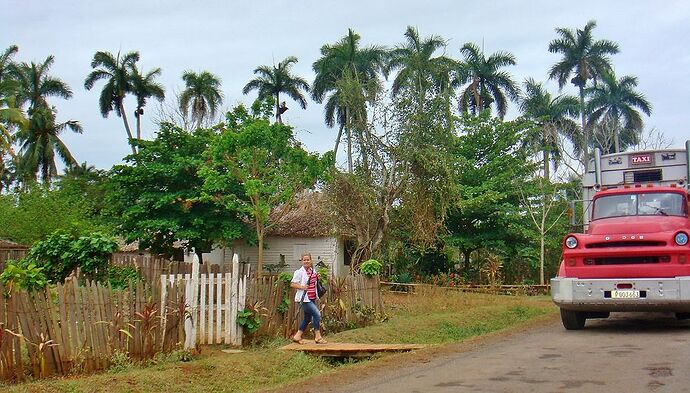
(230, 39)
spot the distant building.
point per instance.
(304, 226)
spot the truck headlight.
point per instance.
(571, 242)
(681, 238)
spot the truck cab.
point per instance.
(634, 253)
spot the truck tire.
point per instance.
(573, 320)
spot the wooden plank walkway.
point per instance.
(349, 349)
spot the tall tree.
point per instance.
(347, 78)
(40, 142)
(418, 69)
(553, 115)
(487, 83)
(6, 63)
(586, 59)
(274, 80)
(201, 96)
(117, 72)
(254, 167)
(157, 197)
(145, 87)
(613, 99)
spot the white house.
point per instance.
(301, 227)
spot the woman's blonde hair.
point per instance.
(306, 254)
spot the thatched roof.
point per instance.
(8, 245)
(307, 216)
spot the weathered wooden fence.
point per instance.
(10, 255)
(73, 328)
(345, 296)
(152, 267)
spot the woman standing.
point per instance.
(304, 280)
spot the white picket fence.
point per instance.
(213, 301)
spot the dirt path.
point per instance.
(627, 352)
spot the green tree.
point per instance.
(6, 63)
(117, 71)
(39, 141)
(156, 198)
(493, 163)
(418, 69)
(553, 115)
(615, 99)
(201, 97)
(56, 207)
(347, 78)
(272, 81)
(145, 87)
(586, 59)
(487, 83)
(255, 166)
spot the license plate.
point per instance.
(625, 294)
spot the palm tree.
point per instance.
(40, 142)
(10, 116)
(487, 83)
(6, 63)
(585, 59)
(615, 98)
(418, 69)
(347, 78)
(201, 96)
(35, 85)
(273, 80)
(144, 87)
(553, 116)
(117, 71)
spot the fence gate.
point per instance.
(213, 301)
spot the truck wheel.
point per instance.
(573, 320)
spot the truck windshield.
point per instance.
(649, 204)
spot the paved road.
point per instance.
(625, 353)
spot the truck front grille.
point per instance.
(625, 260)
(630, 243)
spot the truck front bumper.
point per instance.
(656, 294)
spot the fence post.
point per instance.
(236, 331)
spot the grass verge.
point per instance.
(432, 316)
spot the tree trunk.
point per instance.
(547, 164)
(279, 118)
(138, 116)
(348, 130)
(585, 131)
(129, 131)
(260, 258)
(466, 262)
(337, 143)
(616, 133)
(199, 253)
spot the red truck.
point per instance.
(634, 254)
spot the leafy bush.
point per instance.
(371, 268)
(248, 320)
(284, 305)
(119, 277)
(61, 252)
(119, 362)
(24, 274)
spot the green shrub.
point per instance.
(371, 268)
(24, 274)
(119, 362)
(119, 276)
(61, 252)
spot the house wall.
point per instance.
(216, 256)
(326, 249)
